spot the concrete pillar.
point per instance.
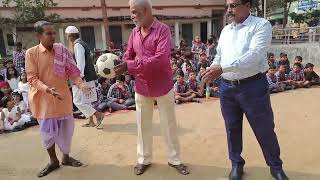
(214, 29)
(209, 28)
(176, 33)
(104, 40)
(61, 35)
(14, 33)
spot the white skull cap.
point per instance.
(72, 30)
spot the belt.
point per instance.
(243, 81)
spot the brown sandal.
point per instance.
(48, 169)
(181, 168)
(71, 162)
(88, 125)
(140, 168)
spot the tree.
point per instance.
(257, 7)
(31, 11)
(285, 4)
(305, 17)
(298, 18)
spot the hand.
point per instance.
(54, 93)
(121, 68)
(216, 89)
(121, 101)
(87, 91)
(212, 73)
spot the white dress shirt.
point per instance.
(242, 48)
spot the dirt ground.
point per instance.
(111, 152)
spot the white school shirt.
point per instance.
(13, 82)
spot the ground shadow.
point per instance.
(131, 128)
(156, 172)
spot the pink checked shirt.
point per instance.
(148, 60)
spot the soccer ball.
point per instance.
(105, 64)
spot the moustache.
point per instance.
(231, 15)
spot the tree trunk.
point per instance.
(286, 8)
(105, 22)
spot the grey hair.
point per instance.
(38, 26)
(141, 3)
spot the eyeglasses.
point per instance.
(233, 5)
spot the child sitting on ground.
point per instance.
(103, 87)
(119, 97)
(200, 73)
(214, 88)
(187, 57)
(194, 85)
(130, 83)
(284, 61)
(11, 115)
(23, 87)
(189, 70)
(13, 78)
(274, 86)
(182, 93)
(297, 76)
(298, 59)
(272, 60)
(174, 68)
(203, 61)
(6, 64)
(310, 75)
(5, 90)
(283, 78)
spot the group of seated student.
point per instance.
(113, 95)
(282, 77)
(188, 67)
(14, 88)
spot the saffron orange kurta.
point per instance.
(40, 75)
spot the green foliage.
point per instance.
(31, 11)
(305, 17)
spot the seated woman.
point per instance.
(119, 96)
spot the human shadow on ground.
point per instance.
(131, 128)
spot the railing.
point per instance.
(296, 35)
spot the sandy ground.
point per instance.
(111, 152)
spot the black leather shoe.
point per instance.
(236, 173)
(279, 175)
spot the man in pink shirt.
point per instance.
(148, 59)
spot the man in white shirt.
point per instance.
(84, 62)
(241, 61)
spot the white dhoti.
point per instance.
(166, 106)
(84, 103)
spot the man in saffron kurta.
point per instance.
(48, 66)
